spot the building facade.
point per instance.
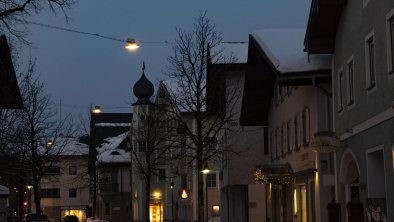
(65, 186)
(288, 93)
(360, 37)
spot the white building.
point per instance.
(65, 187)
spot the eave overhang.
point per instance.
(260, 80)
(323, 22)
(10, 96)
(305, 78)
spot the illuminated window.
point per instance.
(303, 204)
(215, 211)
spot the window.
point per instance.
(296, 141)
(289, 145)
(142, 146)
(215, 211)
(72, 170)
(162, 174)
(50, 193)
(72, 193)
(305, 126)
(391, 24)
(272, 145)
(277, 143)
(283, 138)
(370, 61)
(210, 143)
(390, 41)
(211, 180)
(265, 140)
(52, 170)
(184, 181)
(107, 208)
(350, 83)
(340, 91)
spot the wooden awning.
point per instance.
(323, 22)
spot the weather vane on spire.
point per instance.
(143, 66)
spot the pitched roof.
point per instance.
(10, 96)
(284, 49)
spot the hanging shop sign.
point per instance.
(325, 142)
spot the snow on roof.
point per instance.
(4, 190)
(239, 51)
(113, 124)
(108, 152)
(67, 146)
(74, 147)
(285, 49)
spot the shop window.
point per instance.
(215, 211)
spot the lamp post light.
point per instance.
(29, 187)
(93, 155)
(172, 186)
(205, 171)
(131, 44)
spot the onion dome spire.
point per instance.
(143, 89)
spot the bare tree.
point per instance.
(188, 70)
(14, 13)
(35, 126)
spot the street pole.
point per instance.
(93, 153)
(172, 185)
(206, 196)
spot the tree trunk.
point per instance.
(200, 192)
(37, 197)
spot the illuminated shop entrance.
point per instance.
(156, 212)
(80, 213)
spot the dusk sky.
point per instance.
(80, 70)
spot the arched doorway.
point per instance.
(349, 177)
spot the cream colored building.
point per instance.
(65, 187)
(166, 204)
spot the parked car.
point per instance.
(70, 218)
(96, 219)
(36, 218)
(13, 219)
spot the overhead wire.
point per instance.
(98, 35)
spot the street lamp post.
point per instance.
(172, 186)
(205, 171)
(93, 152)
(29, 187)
